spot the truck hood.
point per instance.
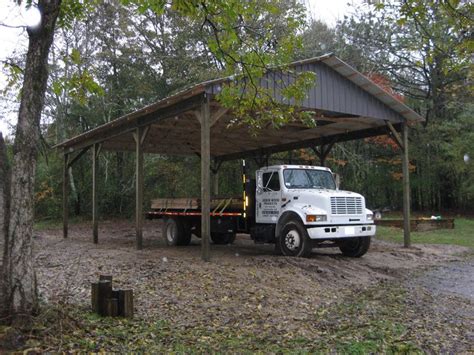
(318, 201)
(318, 193)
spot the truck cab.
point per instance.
(301, 207)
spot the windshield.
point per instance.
(308, 179)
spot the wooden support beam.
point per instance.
(216, 164)
(205, 119)
(306, 143)
(261, 160)
(323, 152)
(78, 156)
(139, 136)
(216, 116)
(95, 204)
(129, 123)
(215, 183)
(65, 195)
(395, 134)
(406, 188)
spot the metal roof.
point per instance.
(347, 105)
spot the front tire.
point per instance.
(355, 247)
(294, 240)
(176, 232)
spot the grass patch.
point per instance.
(462, 234)
(47, 223)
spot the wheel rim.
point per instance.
(292, 240)
(170, 232)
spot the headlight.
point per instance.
(316, 218)
(370, 217)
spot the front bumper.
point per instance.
(330, 232)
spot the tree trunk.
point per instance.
(4, 206)
(20, 290)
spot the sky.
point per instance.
(14, 39)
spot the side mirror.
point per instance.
(337, 179)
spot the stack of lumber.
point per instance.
(418, 225)
(195, 203)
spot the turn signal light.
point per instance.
(316, 218)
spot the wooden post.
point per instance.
(205, 179)
(323, 152)
(95, 297)
(139, 135)
(126, 303)
(111, 307)
(105, 292)
(216, 164)
(95, 205)
(65, 195)
(215, 183)
(406, 187)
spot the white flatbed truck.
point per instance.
(296, 207)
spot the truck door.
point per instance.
(268, 196)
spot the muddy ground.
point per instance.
(245, 286)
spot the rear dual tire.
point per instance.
(176, 231)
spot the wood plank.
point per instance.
(419, 225)
(195, 203)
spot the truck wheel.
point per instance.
(354, 247)
(176, 232)
(294, 240)
(223, 238)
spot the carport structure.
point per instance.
(346, 105)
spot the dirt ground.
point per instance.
(245, 285)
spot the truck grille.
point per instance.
(346, 205)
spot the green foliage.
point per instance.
(455, 14)
(73, 10)
(247, 39)
(15, 77)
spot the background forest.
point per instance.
(114, 61)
